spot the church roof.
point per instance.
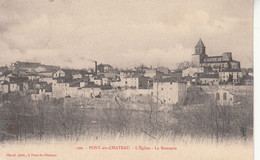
(200, 43)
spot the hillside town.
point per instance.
(219, 76)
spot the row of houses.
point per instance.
(215, 77)
(73, 83)
(160, 82)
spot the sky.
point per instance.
(123, 33)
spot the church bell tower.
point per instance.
(200, 48)
(199, 55)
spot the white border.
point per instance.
(256, 76)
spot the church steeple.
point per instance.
(200, 48)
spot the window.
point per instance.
(225, 96)
(125, 82)
(217, 96)
(162, 88)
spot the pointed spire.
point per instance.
(200, 43)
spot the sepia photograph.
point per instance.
(120, 79)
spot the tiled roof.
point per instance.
(200, 43)
(213, 57)
(209, 76)
(169, 79)
(75, 83)
(230, 70)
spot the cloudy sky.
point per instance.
(123, 33)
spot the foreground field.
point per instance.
(183, 148)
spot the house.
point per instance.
(67, 73)
(61, 73)
(46, 79)
(145, 82)
(42, 93)
(33, 76)
(72, 90)
(104, 68)
(130, 82)
(163, 70)
(109, 75)
(22, 86)
(4, 87)
(14, 87)
(37, 85)
(96, 80)
(46, 73)
(90, 91)
(169, 91)
(77, 76)
(66, 87)
(106, 81)
(71, 74)
(60, 87)
(209, 79)
(191, 71)
(224, 97)
(4, 78)
(135, 82)
(151, 73)
(127, 73)
(18, 83)
(230, 75)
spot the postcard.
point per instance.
(120, 79)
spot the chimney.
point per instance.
(95, 68)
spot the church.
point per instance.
(224, 62)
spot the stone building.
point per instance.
(169, 91)
(230, 75)
(201, 59)
(224, 97)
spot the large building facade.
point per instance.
(201, 59)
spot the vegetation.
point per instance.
(22, 119)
